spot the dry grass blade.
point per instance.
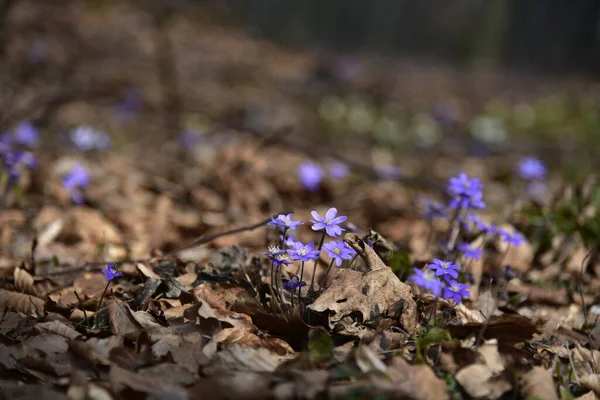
(22, 303)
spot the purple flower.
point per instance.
(310, 175)
(469, 252)
(88, 138)
(302, 252)
(338, 250)
(289, 241)
(281, 259)
(514, 238)
(536, 189)
(77, 178)
(467, 193)
(530, 168)
(389, 172)
(273, 251)
(330, 223)
(189, 139)
(509, 273)
(456, 291)
(338, 171)
(426, 279)
(26, 134)
(434, 209)
(284, 222)
(110, 272)
(293, 283)
(445, 269)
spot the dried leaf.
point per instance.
(24, 281)
(372, 295)
(58, 328)
(484, 378)
(122, 321)
(121, 378)
(239, 358)
(538, 383)
(367, 361)
(22, 303)
(538, 294)
(591, 382)
(406, 381)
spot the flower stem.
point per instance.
(324, 278)
(312, 281)
(100, 302)
(300, 287)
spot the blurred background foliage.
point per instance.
(466, 77)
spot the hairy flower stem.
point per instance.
(300, 287)
(100, 302)
(324, 278)
(459, 214)
(312, 281)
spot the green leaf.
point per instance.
(321, 346)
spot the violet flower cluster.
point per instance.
(441, 278)
(466, 196)
(311, 174)
(533, 172)
(75, 180)
(15, 151)
(295, 251)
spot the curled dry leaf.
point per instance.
(585, 361)
(371, 294)
(58, 328)
(538, 384)
(24, 281)
(22, 303)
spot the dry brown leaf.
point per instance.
(58, 328)
(538, 383)
(95, 350)
(89, 285)
(591, 382)
(121, 378)
(24, 281)
(367, 361)
(22, 303)
(478, 381)
(303, 385)
(147, 272)
(519, 258)
(219, 295)
(371, 294)
(122, 321)
(46, 343)
(585, 361)
(483, 378)
(507, 328)
(239, 358)
(410, 381)
(588, 396)
(538, 294)
(238, 336)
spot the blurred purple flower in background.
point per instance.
(389, 171)
(26, 134)
(310, 175)
(469, 252)
(338, 171)
(110, 272)
(530, 168)
(189, 139)
(88, 138)
(75, 180)
(38, 51)
(467, 193)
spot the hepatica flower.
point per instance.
(26, 134)
(87, 138)
(446, 269)
(338, 171)
(330, 222)
(110, 272)
(434, 210)
(339, 251)
(470, 252)
(75, 180)
(456, 291)
(466, 193)
(427, 280)
(303, 252)
(310, 175)
(514, 239)
(530, 168)
(293, 283)
(284, 222)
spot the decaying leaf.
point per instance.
(591, 382)
(22, 303)
(410, 381)
(57, 328)
(374, 294)
(538, 384)
(24, 281)
(122, 321)
(483, 379)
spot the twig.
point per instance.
(85, 318)
(571, 362)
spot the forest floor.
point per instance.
(138, 256)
